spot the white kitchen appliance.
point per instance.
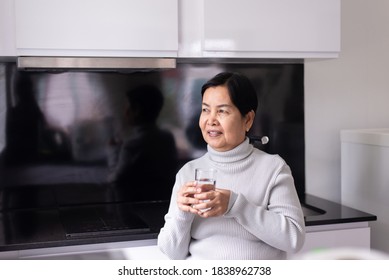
(365, 178)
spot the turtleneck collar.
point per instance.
(238, 153)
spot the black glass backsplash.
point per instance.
(59, 125)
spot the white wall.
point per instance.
(349, 92)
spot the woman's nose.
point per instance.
(212, 120)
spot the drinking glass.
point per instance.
(205, 177)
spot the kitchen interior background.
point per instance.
(348, 92)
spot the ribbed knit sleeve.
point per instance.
(280, 222)
(175, 236)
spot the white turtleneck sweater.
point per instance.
(264, 219)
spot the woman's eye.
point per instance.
(204, 110)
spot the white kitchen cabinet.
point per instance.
(171, 28)
(137, 28)
(127, 250)
(7, 29)
(326, 237)
(260, 28)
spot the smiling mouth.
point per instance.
(214, 133)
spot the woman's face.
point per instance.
(221, 123)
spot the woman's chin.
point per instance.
(217, 146)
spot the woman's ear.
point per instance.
(250, 116)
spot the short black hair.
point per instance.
(240, 90)
(148, 99)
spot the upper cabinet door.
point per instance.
(147, 28)
(271, 28)
(7, 27)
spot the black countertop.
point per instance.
(329, 212)
(80, 225)
(51, 227)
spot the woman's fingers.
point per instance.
(215, 201)
(185, 197)
(204, 200)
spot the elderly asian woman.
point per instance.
(254, 211)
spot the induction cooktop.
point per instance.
(100, 220)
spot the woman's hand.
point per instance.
(186, 199)
(198, 199)
(215, 199)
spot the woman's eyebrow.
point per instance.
(219, 106)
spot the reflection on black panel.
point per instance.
(67, 131)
